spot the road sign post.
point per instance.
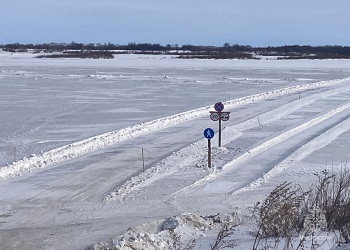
(209, 134)
(218, 115)
(209, 154)
(220, 132)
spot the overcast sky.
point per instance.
(200, 22)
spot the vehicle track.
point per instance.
(231, 133)
(339, 114)
(24, 137)
(329, 134)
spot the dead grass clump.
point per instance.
(279, 214)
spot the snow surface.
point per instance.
(72, 132)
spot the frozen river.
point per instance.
(50, 103)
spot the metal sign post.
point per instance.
(219, 116)
(220, 132)
(209, 133)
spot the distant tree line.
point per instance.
(306, 49)
(91, 54)
(89, 46)
(225, 51)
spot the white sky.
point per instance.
(257, 23)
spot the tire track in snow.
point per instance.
(23, 133)
(196, 153)
(302, 152)
(102, 141)
(263, 147)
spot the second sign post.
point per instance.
(218, 115)
(209, 134)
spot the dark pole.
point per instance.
(209, 154)
(219, 129)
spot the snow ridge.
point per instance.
(264, 146)
(320, 141)
(97, 142)
(196, 153)
(107, 139)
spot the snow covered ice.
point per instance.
(72, 132)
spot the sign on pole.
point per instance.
(219, 116)
(219, 106)
(209, 134)
(225, 116)
(214, 116)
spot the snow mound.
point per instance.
(160, 235)
(95, 143)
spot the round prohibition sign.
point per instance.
(219, 106)
(214, 116)
(225, 116)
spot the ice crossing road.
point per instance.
(74, 190)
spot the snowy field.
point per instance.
(72, 130)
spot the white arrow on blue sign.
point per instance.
(208, 133)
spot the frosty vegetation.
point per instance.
(289, 218)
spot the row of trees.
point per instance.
(89, 46)
(280, 50)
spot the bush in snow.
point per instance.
(331, 194)
(278, 216)
(288, 212)
(223, 240)
(176, 242)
